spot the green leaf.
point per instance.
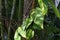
(55, 9)
(43, 6)
(29, 34)
(17, 37)
(27, 22)
(21, 32)
(33, 13)
(36, 16)
(39, 18)
(36, 27)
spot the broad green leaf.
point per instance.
(36, 16)
(17, 37)
(40, 2)
(43, 6)
(21, 32)
(26, 23)
(39, 19)
(33, 13)
(29, 34)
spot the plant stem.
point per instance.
(1, 31)
(1, 21)
(20, 13)
(12, 12)
(6, 8)
(55, 9)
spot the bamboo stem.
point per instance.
(20, 14)
(1, 31)
(1, 21)
(6, 8)
(12, 13)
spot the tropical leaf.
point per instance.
(21, 32)
(29, 34)
(27, 22)
(36, 16)
(17, 37)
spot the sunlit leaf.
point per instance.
(17, 37)
(21, 32)
(27, 22)
(37, 17)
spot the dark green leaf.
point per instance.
(29, 34)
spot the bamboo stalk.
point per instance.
(1, 30)
(20, 14)
(1, 21)
(6, 8)
(12, 13)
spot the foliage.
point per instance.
(43, 22)
(37, 17)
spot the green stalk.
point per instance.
(20, 13)
(12, 13)
(55, 9)
(1, 27)
(1, 21)
(6, 5)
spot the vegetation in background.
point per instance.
(29, 20)
(36, 18)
